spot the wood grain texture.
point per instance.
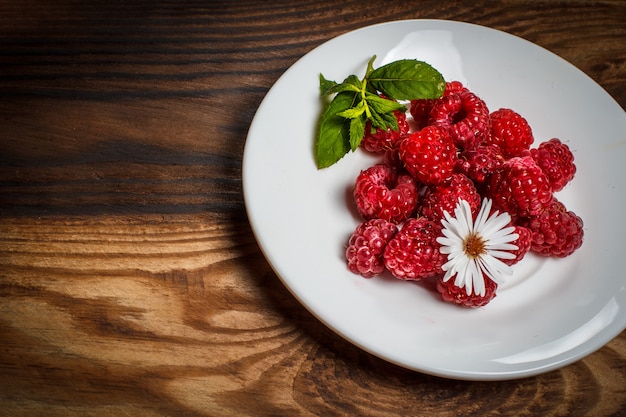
(130, 280)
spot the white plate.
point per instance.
(550, 313)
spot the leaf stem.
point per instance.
(368, 113)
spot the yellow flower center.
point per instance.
(474, 246)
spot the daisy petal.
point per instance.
(504, 235)
(502, 246)
(479, 284)
(501, 254)
(495, 223)
(483, 215)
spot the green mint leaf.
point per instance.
(408, 79)
(390, 121)
(383, 105)
(357, 131)
(326, 85)
(333, 140)
(383, 120)
(377, 120)
(352, 83)
(353, 112)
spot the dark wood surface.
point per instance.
(131, 282)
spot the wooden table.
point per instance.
(131, 282)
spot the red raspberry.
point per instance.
(557, 162)
(429, 155)
(556, 231)
(391, 157)
(523, 244)
(380, 192)
(465, 116)
(380, 140)
(458, 295)
(510, 131)
(413, 253)
(520, 188)
(367, 245)
(420, 109)
(445, 196)
(454, 87)
(480, 162)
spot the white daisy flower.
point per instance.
(475, 247)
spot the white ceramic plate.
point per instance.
(550, 313)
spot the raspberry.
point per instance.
(420, 109)
(519, 187)
(445, 196)
(458, 295)
(479, 163)
(510, 131)
(523, 244)
(429, 155)
(367, 245)
(380, 140)
(413, 253)
(454, 87)
(556, 231)
(380, 192)
(464, 115)
(557, 162)
(391, 157)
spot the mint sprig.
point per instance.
(356, 101)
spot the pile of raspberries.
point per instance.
(455, 149)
